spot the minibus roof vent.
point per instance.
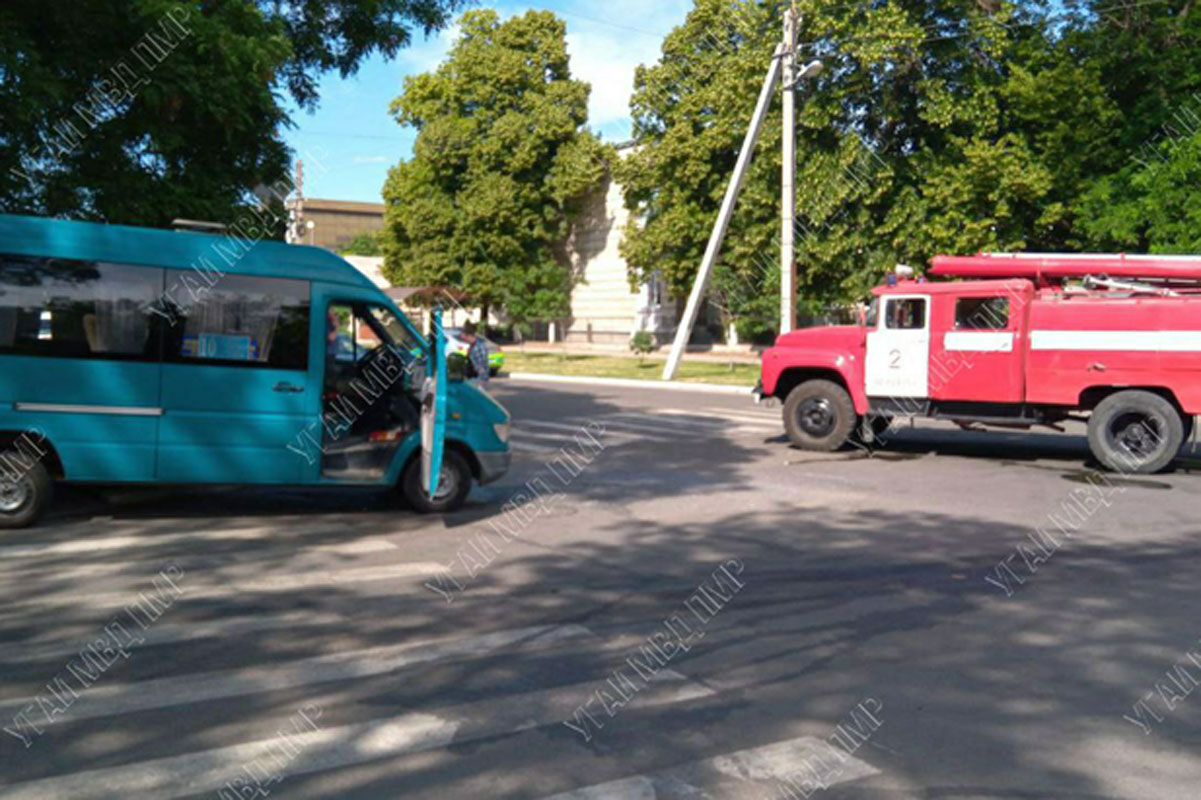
(197, 226)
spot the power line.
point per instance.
(340, 134)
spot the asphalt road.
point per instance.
(662, 600)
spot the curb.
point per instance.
(630, 383)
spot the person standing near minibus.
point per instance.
(477, 354)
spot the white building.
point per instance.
(604, 309)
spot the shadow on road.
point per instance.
(984, 695)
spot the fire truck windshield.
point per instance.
(873, 313)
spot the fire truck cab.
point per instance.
(1009, 341)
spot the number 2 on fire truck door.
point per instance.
(898, 349)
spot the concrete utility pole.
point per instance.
(788, 196)
(684, 331)
(782, 62)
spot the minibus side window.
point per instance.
(78, 309)
(240, 320)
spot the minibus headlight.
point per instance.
(502, 431)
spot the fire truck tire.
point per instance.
(1135, 432)
(819, 415)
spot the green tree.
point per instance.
(1145, 198)
(365, 244)
(501, 161)
(893, 103)
(146, 110)
(937, 126)
(1150, 206)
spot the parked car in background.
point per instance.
(455, 344)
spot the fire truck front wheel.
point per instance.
(819, 415)
(1135, 432)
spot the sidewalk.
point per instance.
(630, 383)
(723, 354)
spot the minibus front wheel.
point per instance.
(454, 484)
(24, 495)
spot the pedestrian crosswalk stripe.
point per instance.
(617, 431)
(665, 417)
(526, 447)
(705, 419)
(344, 746)
(747, 416)
(776, 769)
(88, 545)
(771, 415)
(172, 633)
(671, 427)
(567, 431)
(296, 531)
(112, 699)
(527, 429)
(261, 584)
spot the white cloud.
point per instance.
(606, 55)
(370, 159)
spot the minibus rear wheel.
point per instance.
(454, 484)
(23, 498)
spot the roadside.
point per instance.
(738, 354)
(727, 373)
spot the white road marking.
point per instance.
(705, 419)
(342, 746)
(558, 426)
(170, 633)
(526, 447)
(194, 588)
(113, 699)
(87, 545)
(359, 548)
(526, 429)
(636, 788)
(673, 427)
(750, 413)
(769, 767)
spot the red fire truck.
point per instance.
(1011, 341)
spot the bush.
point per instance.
(642, 343)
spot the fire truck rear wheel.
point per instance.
(819, 415)
(1135, 432)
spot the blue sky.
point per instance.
(356, 141)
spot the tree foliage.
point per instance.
(937, 126)
(365, 244)
(501, 161)
(146, 110)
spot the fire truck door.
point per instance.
(976, 353)
(898, 350)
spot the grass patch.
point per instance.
(650, 369)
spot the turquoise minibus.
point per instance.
(138, 356)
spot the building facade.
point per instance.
(604, 312)
(332, 224)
